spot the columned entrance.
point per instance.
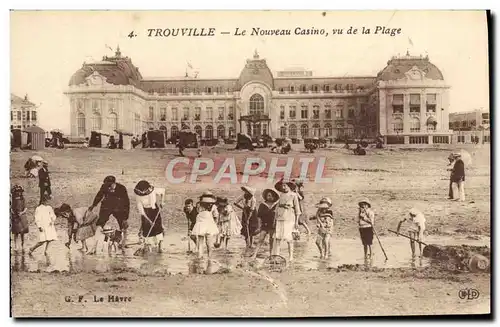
(255, 125)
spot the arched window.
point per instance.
(293, 131)
(113, 121)
(303, 88)
(96, 121)
(256, 104)
(415, 125)
(174, 131)
(397, 125)
(197, 130)
(316, 131)
(328, 130)
(163, 128)
(283, 131)
(80, 123)
(209, 132)
(231, 132)
(304, 131)
(221, 132)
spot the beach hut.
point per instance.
(36, 137)
(127, 138)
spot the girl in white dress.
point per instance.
(229, 224)
(45, 219)
(205, 228)
(287, 215)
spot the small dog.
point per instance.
(113, 237)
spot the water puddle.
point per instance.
(175, 259)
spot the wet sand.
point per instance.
(170, 284)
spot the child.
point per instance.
(149, 201)
(44, 220)
(366, 219)
(287, 215)
(266, 214)
(18, 220)
(81, 224)
(324, 218)
(205, 227)
(303, 217)
(229, 224)
(415, 230)
(249, 221)
(191, 212)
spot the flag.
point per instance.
(107, 46)
(411, 42)
(189, 65)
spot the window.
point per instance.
(339, 112)
(197, 130)
(24, 115)
(315, 112)
(197, 113)
(431, 102)
(256, 104)
(230, 115)
(419, 140)
(27, 115)
(79, 104)
(431, 127)
(326, 88)
(415, 125)
(11, 116)
(397, 103)
(185, 90)
(281, 90)
(293, 131)
(316, 130)
(174, 131)
(440, 139)
(328, 112)
(95, 104)
(282, 131)
(174, 90)
(231, 132)
(137, 123)
(221, 113)
(174, 114)
(485, 115)
(315, 88)
(303, 88)
(350, 114)
(221, 132)
(414, 102)
(113, 121)
(185, 113)
(293, 112)
(80, 123)
(209, 113)
(209, 132)
(304, 131)
(151, 113)
(208, 90)
(304, 112)
(328, 130)
(111, 105)
(18, 115)
(96, 121)
(163, 114)
(292, 88)
(397, 125)
(282, 112)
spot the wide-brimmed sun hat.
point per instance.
(207, 199)
(273, 192)
(324, 203)
(17, 189)
(365, 200)
(279, 185)
(143, 188)
(248, 189)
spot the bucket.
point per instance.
(478, 263)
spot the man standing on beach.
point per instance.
(458, 178)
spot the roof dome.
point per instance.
(118, 70)
(256, 69)
(398, 66)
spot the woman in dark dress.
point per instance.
(149, 202)
(250, 222)
(265, 214)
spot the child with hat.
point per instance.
(45, 219)
(325, 225)
(205, 227)
(19, 224)
(266, 215)
(303, 217)
(228, 223)
(366, 219)
(416, 228)
(249, 220)
(191, 212)
(150, 200)
(287, 215)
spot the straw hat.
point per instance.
(207, 197)
(324, 203)
(365, 200)
(248, 189)
(273, 192)
(279, 185)
(143, 188)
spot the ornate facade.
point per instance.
(405, 101)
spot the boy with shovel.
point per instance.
(416, 229)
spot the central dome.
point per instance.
(256, 70)
(398, 66)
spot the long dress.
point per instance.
(229, 224)
(45, 219)
(205, 225)
(151, 221)
(266, 214)
(18, 219)
(288, 208)
(250, 224)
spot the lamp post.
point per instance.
(442, 121)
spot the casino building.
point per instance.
(407, 102)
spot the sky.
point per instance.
(47, 47)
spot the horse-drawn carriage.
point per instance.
(244, 141)
(187, 139)
(314, 143)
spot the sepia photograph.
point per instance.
(250, 164)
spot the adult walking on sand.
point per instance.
(115, 201)
(458, 178)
